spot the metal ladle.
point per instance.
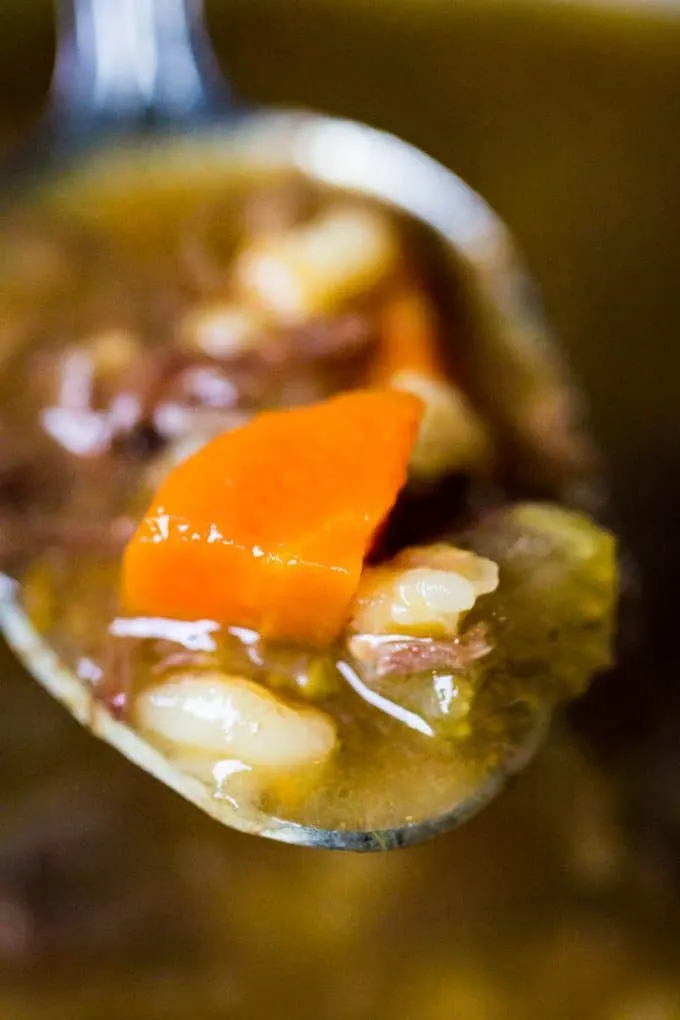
(143, 70)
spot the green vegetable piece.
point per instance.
(553, 615)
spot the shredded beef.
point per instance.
(392, 655)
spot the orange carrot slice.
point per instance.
(267, 526)
(408, 338)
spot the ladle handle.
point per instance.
(126, 63)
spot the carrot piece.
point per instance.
(407, 338)
(267, 526)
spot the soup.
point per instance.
(256, 503)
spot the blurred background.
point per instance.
(561, 901)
